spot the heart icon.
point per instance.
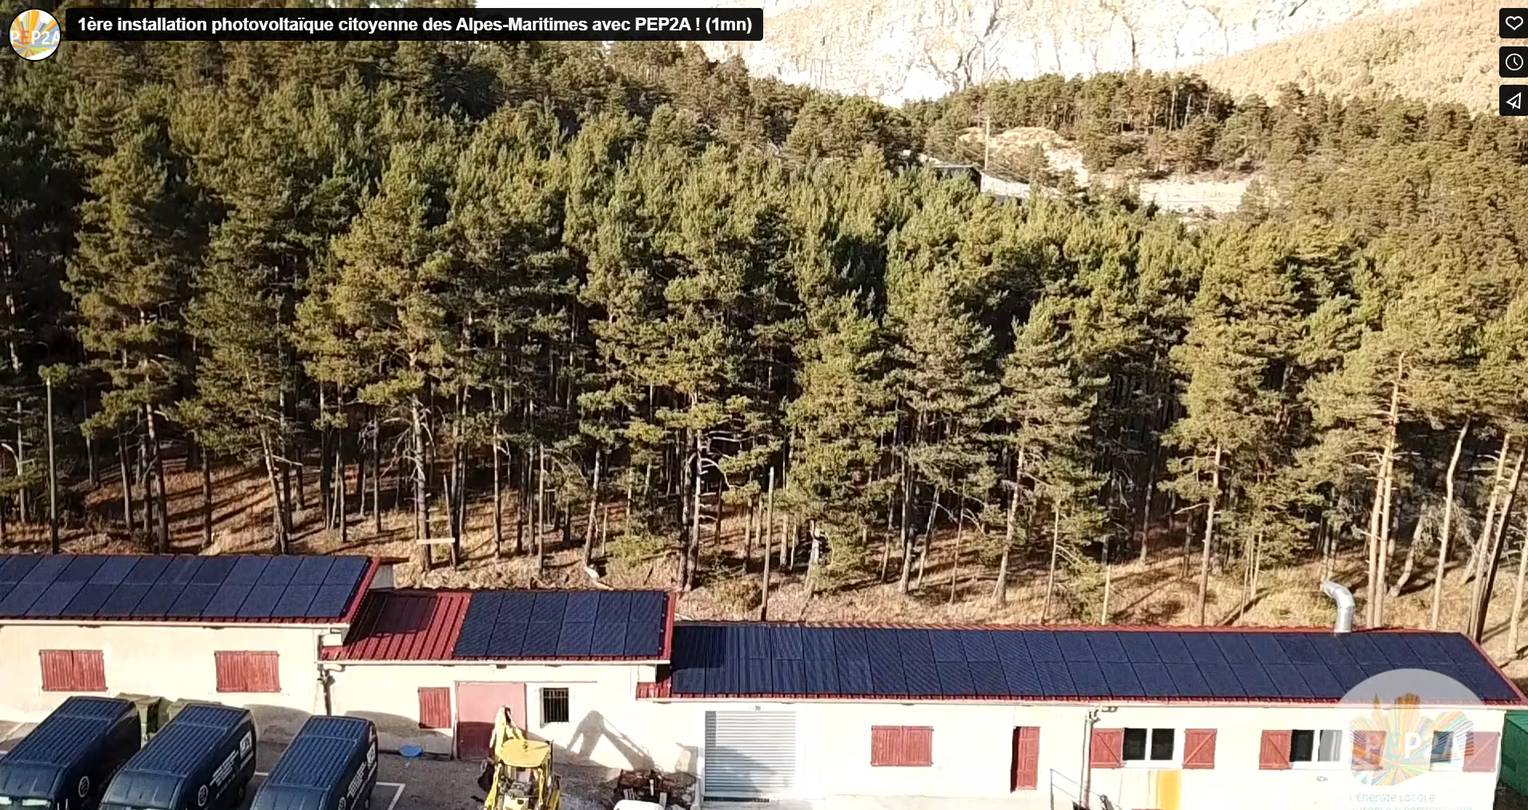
(1513, 22)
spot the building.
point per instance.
(863, 715)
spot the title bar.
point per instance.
(332, 24)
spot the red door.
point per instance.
(477, 706)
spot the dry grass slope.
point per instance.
(1443, 50)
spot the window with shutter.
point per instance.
(1368, 750)
(1480, 749)
(73, 671)
(248, 672)
(1026, 758)
(1107, 748)
(434, 707)
(1198, 748)
(1273, 753)
(901, 746)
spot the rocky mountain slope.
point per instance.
(898, 50)
(1443, 50)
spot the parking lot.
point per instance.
(402, 784)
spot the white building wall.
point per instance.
(606, 725)
(972, 757)
(171, 661)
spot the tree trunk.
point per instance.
(162, 509)
(421, 484)
(1498, 538)
(769, 534)
(281, 522)
(960, 536)
(539, 536)
(1209, 535)
(53, 544)
(127, 484)
(376, 473)
(1409, 564)
(498, 498)
(928, 538)
(1387, 466)
(325, 459)
(594, 502)
(1050, 575)
(1151, 489)
(1514, 644)
(815, 542)
(1446, 533)
(1000, 589)
(1481, 546)
(340, 488)
(692, 549)
(206, 499)
(905, 578)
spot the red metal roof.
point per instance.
(404, 626)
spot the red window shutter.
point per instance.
(1368, 750)
(1480, 751)
(1107, 749)
(434, 707)
(73, 671)
(1198, 748)
(239, 671)
(901, 746)
(1026, 758)
(1273, 754)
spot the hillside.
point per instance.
(898, 50)
(1442, 51)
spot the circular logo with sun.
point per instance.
(35, 34)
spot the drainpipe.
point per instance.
(1345, 608)
(1086, 782)
(324, 682)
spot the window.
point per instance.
(901, 746)
(73, 671)
(434, 707)
(248, 672)
(1315, 746)
(1150, 745)
(554, 706)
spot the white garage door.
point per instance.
(750, 755)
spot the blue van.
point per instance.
(201, 760)
(330, 765)
(65, 763)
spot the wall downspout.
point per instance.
(1086, 782)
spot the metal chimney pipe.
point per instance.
(1345, 607)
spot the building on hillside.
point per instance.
(244, 630)
(566, 663)
(1132, 718)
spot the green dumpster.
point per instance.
(1514, 752)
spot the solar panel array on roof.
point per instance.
(179, 587)
(801, 661)
(535, 625)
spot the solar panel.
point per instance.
(180, 570)
(123, 601)
(113, 571)
(1138, 647)
(16, 568)
(226, 602)
(1074, 646)
(821, 676)
(576, 638)
(758, 676)
(312, 570)
(1363, 650)
(1235, 649)
(213, 570)
(643, 639)
(331, 601)
(507, 640)
(1187, 680)
(1201, 647)
(945, 646)
(1428, 649)
(1122, 680)
(955, 679)
(1154, 679)
(918, 664)
(1320, 680)
(1088, 678)
(247, 570)
(1221, 680)
(540, 639)
(1021, 676)
(790, 676)
(786, 642)
(613, 606)
(1265, 648)
(81, 569)
(1055, 679)
(279, 571)
(47, 569)
(51, 602)
(549, 607)
(818, 642)
(581, 607)
(1043, 646)
(987, 678)
(156, 603)
(346, 571)
(261, 601)
(192, 601)
(1347, 675)
(88, 600)
(1256, 682)
(1298, 649)
(1010, 646)
(1394, 647)
(1330, 649)
(147, 570)
(1286, 679)
(1107, 647)
(886, 673)
(609, 639)
(978, 645)
(294, 602)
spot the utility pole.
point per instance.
(52, 472)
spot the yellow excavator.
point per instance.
(518, 772)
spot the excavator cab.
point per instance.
(519, 770)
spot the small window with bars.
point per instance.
(554, 705)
